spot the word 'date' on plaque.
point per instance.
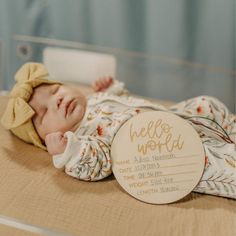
(157, 157)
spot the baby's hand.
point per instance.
(56, 143)
(102, 83)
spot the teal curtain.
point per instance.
(193, 41)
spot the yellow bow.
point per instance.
(18, 110)
(18, 113)
(11, 117)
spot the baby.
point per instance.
(78, 130)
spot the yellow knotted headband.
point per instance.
(18, 113)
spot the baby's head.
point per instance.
(39, 106)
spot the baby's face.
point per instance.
(57, 108)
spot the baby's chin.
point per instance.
(79, 111)
(76, 116)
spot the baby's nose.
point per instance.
(59, 101)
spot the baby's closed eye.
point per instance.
(54, 88)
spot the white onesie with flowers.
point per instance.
(87, 154)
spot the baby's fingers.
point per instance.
(56, 143)
(54, 137)
(102, 83)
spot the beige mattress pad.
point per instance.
(35, 193)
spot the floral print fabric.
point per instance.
(87, 155)
(217, 129)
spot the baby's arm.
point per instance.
(84, 157)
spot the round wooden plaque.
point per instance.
(157, 157)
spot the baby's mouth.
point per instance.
(70, 106)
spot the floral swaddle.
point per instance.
(217, 129)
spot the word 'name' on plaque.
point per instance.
(157, 157)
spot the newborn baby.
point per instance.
(78, 130)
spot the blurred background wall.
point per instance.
(191, 43)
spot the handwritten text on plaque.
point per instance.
(157, 157)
